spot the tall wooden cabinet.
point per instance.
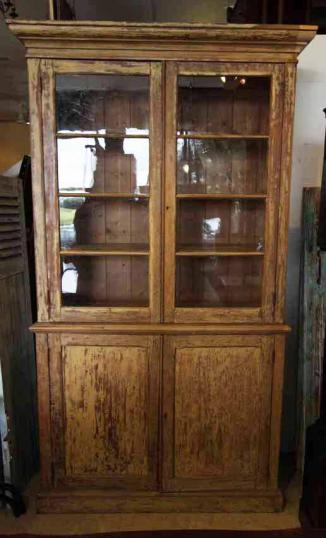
(161, 168)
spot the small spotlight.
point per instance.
(186, 168)
(223, 79)
(242, 81)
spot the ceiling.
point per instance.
(13, 88)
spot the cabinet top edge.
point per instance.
(288, 35)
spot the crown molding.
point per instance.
(94, 39)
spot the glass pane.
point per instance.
(214, 281)
(220, 224)
(103, 165)
(221, 166)
(89, 221)
(223, 104)
(104, 281)
(103, 103)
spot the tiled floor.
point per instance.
(86, 523)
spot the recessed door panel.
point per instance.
(109, 410)
(216, 433)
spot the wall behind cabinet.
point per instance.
(308, 148)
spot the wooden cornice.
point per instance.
(93, 39)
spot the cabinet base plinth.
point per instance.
(96, 502)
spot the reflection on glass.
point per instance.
(88, 221)
(220, 224)
(218, 281)
(104, 281)
(103, 103)
(221, 166)
(103, 165)
(223, 104)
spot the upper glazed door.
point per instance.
(223, 124)
(102, 154)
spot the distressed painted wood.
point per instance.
(203, 448)
(165, 408)
(107, 389)
(156, 328)
(312, 316)
(176, 41)
(104, 415)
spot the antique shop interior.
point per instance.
(163, 268)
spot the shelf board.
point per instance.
(219, 196)
(102, 195)
(218, 250)
(73, 301)
(222, 136)
(113, 249)
(112, 136)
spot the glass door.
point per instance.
(221, 188)
(106, 133)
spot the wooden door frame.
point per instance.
(266, 312)
(49, 69)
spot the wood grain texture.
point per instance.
(35, 112)
(170, 190)
(216, 405)
(161, 408)
(272, 202)
(44, 417)
(284, 188)
(207, 429)
(277, 395)
(70, 67)
(111, 411)
(105, 387)
(50, 190)
(156, 179)
(99, 502)
(256, 38)
(157, 328)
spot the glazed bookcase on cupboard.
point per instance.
(161, 170)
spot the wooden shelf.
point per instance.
(113, 249)
(102, 195)
(85, 134)
(218, 196)
(222, 136)
(218, 250)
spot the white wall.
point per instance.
(308, 149)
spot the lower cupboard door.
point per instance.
(216, 412)
(105, 413)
